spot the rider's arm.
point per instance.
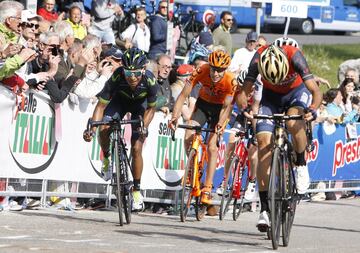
(148, 116)
(181, 99)
(225, 111)
(98, 113)
(315, 92)
(242, 97)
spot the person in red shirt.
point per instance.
(48, 12)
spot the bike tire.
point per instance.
(290, 208)
(125, 186)
(228, 188)
(186, 193)
(275, 197)
(200, 209)
(237, 208)
(116, 161)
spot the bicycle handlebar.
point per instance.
(197, 129)
(115, 120)
(281, 117)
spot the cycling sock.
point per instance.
(300, 159)
(263, 201)
(136, 184)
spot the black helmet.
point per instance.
(134, 58)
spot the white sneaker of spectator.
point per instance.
(302, 179)
(250, 191)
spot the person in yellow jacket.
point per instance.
(74, 20)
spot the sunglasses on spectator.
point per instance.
(229, 19)
(30, 25)
(165, 66)
(163, 7)
(129, 73)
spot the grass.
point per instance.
(324, 60)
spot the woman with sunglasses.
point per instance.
(132, 89)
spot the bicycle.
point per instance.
(234, 187)
(188, 25)
(282, 192)
(191, 181)
(121, 162)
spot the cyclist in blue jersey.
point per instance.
(130, 89)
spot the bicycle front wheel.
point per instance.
(125, 186)
(228, 188)
(289, 206)
(275, 197)
(239, 202)
(119, 198)
(187, 186)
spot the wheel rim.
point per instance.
(186, 196)
(307, 26)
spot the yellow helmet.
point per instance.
(273, 65)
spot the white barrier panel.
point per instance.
(35, 146)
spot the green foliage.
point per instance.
(324, 60)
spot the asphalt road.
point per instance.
(328, 226)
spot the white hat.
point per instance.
(28, 14)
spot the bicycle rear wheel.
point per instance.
(119, 197)
(275, 197)
(228, 188)
(239, 202)
(289, 206)
(187, 186)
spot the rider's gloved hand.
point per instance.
(310, 114)
(88, 135)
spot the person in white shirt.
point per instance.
(243, 56)
(138, 34)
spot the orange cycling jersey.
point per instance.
(215, 93)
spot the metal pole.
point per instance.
(286, 27)
(258, 21)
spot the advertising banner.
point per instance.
(29, 149)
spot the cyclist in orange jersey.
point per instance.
(213, 105)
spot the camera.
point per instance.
(55, 51)
(106, 62)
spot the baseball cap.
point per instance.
(26, 15)
(114, 52)
(184, 70)
(206, 39)
(252, 36)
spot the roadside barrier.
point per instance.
(43, 146)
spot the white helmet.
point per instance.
(285, 42)
(241, 76)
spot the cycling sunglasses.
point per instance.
(219, 70)
(129, 73)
